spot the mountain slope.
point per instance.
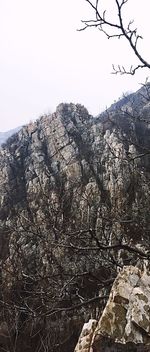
(5, 135)
(75, 194)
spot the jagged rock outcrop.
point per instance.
(85, 340)
(75, 195)
(125, 321)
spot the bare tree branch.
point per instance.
(128, 32)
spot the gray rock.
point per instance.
(70, 181)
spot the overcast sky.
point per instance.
(44, 60)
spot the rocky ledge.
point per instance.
(125, 322)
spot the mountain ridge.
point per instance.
(74, 210)
(141, 95)
(5, 135)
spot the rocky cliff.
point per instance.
(75, 194)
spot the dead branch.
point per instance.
(117, 30)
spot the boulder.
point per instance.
(125, 321)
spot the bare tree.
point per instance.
(116, 29)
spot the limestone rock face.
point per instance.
(73, 189)
(126, 317)
(125, 321)
(85, 339)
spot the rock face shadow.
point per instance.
(108, 345)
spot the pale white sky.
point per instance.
(44, 60)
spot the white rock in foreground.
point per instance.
(85, 339)
(125, 321)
